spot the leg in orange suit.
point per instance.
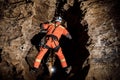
(51, 44)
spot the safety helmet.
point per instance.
(59, 19)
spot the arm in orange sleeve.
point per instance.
(44, 25)
(67, 34)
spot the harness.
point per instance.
(54, 38)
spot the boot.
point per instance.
(68, 69)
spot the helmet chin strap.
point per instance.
(56, 24)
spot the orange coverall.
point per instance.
(58, 31)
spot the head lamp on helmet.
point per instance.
(59, 19)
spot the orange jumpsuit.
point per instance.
(58, 31)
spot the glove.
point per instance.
(41, 26)
(69, 36)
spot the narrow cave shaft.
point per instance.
(93, 52)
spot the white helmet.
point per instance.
(59, 19)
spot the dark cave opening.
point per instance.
(0, 55)
(74, 50)
(114, 13)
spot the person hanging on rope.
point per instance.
(51, 40)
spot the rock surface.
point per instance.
(94, 51)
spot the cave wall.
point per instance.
(93, 24)
(103, 24)
(19, 22)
